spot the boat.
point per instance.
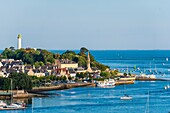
(167, 59)
(12, 106)
(105, 83)
(2, 104)
(126, 97)
(166, 87)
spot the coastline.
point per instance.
(39, 91)
(60, 87)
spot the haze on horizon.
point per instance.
(95, 24)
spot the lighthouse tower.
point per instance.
(19, 41)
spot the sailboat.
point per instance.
(125, 97)
(167, 59)
(13, 106)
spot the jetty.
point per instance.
(60, 87)
(121, 82)
(4, 108)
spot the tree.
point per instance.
(12, 48)
(29, 55)
(69, 78)
(28, 58)
(6, 84)
(125, 74)
(105, 74)
(20, 81)
(57, 56)
(83, 50)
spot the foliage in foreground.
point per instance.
(19, 81)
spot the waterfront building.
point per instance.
(19, 41)
(61, 72)
(37, 72)
(65, 63)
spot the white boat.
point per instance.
(166, 87)
(2, 104)
(126, 97)
(106, 82)
(16, 105)
(166, 59)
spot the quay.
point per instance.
(6, 93)
(15, 108)
(60, 87)
(121, 82)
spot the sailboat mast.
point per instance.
(11, 92)
(147, 104)
(148, 101)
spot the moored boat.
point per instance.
(2, 104)
(14, 106)
(106, 82)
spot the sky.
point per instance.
(94, 24)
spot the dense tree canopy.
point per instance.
(41, 57)
(18, 80)
(81, 58)
(29, 56)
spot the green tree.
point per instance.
(69, 78)
(105, 74)
(20, 81)
(83, 50)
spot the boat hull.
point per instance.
(126, 98)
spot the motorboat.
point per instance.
(106, 82)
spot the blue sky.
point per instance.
(95, 24)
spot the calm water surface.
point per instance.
(104, 100)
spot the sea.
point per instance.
(148, 96)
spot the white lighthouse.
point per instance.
(19, 41)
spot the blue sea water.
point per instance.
(104, 100)
(147, 96)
